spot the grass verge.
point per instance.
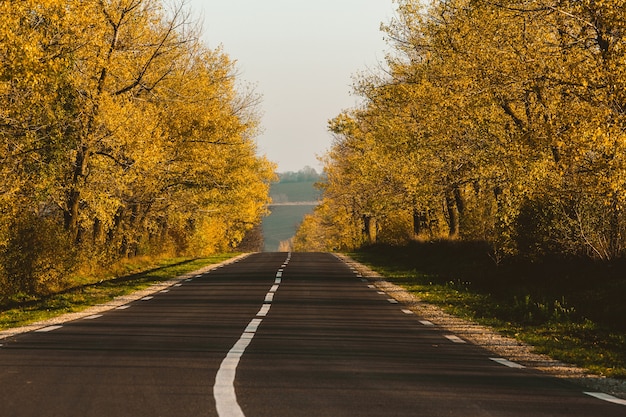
(99, 288)
(565, 309)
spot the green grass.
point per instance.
(294, 191)
(570, 309)
(98, 288)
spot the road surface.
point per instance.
(271, 335)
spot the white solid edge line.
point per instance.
(48, 329)
(454, 338)
(508, 363)
(606, 397)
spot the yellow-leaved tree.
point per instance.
(502, 121)
(121, 134)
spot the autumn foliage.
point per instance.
(120, 134)
(495, 121)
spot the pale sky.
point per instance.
(301, 57)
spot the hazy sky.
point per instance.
(300, 56)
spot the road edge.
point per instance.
(486, 337)
(116, 302)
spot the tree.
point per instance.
(503, 121)
(122, 133)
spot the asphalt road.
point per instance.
(272, 335)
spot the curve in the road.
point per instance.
(224, 387)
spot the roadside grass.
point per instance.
(569, 309)
(96, 288)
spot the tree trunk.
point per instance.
(453, 215)
(370, 228)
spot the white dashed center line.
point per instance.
(264, 310)
(224, 388)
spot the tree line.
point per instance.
(500, 121)
(121, 134)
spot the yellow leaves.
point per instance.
(507, 103)
(130, 131)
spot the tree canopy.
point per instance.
(120, 134)
(502, 122)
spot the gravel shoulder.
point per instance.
(483, 336)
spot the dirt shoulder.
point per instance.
(491, 340)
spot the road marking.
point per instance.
(274, 288)
(164, 291)
(508, 363)
(454, 339)
(189, 280)
(278, 280)
(364, 280)
(224, 387)
(253, 326)
(147, 298)
(427, 323)
(392, 301)
(198, 276)
(264, 310)
(124, 307)
(607, 397)
(359, 276)
(269, 297)
(371, 286)
(279, 274)
(381, 292)
(47, 329)
(407, 311)
(178, 285)
(92, 317)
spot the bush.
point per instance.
(38, 257)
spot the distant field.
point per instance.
(283, 221)
(282, 224)
(294, 191)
